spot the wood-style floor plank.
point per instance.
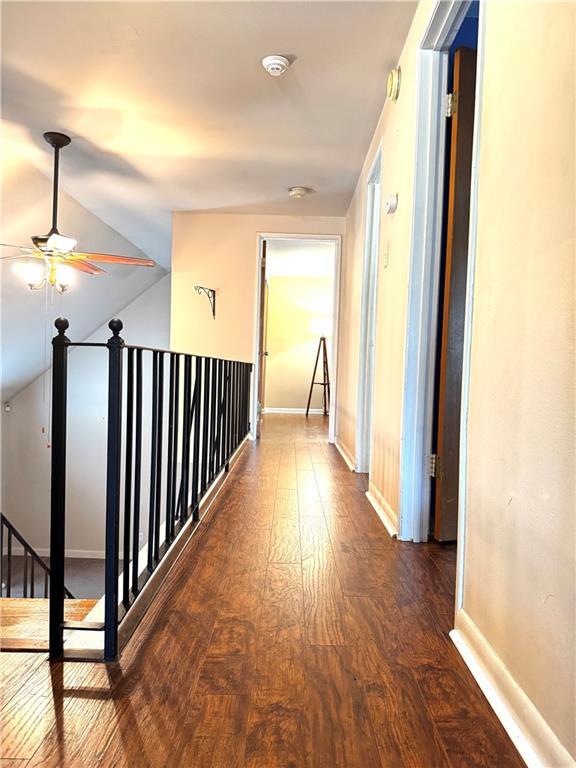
(325, 614)
(292, 632)
(337, 711)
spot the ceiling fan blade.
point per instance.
(106, 258)
(25, 253)
(84, 266)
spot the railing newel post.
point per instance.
(115, 346)
(60, 344)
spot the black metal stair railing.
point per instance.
(174, 422)
(33, 566)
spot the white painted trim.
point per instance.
(421, 331)
(383, 510)
(537, 744)
(444, 23)
(333, 363)
(368, 321)
(469, 313)
(315, 411)
(345, 455)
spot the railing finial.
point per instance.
(61, 325)
(116, 326)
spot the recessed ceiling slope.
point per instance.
(170, 107)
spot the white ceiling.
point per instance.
(170, 109)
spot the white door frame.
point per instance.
(333, 362)
(368, 311)
(423, 297)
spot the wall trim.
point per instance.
(537, 744)
(315, 411)
(348, 458)
(368, 319)
(383, 510)
(88, 554)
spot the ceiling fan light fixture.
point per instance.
(61, 243)
(64, 277)
(32, 272)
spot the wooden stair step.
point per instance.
(24, 621)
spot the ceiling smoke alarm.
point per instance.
(275, 65)
(297, 192)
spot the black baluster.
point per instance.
(113, 470)
(32, 577)
(175, 445)
(153, 446)
(230, 417)
(236, 399)
(205, 426)
(128, 480)
(45, 584)
(9, 566)
(170, 460)
(242, 392)
(227, 415)
(160, 431)
(58, 488)
(25, 576)
(137, 475)
(219, 423)
(196, 439)
(213, 391)
(187, 405)
(2, 567)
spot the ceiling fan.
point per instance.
(57, 252)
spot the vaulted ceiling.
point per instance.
(170, 109)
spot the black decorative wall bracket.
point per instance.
(211, 293)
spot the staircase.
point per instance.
(25, 588)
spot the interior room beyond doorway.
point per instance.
(298, 320)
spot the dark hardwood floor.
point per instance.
(292, 632)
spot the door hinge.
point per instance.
(433, 464)
(450, 104)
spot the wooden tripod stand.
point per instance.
(325, 383)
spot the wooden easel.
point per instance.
(325, 383)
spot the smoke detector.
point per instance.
(297, 192)
(275, 65)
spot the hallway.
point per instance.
(292, 632)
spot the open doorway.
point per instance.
(368, 318)
(445, 447)
(436, 110)
(296, 328)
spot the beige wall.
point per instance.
(395, 135)
(519, 582)
(220, 251)
(520, 544)
(293, 303)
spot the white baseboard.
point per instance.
(383, 510)
(346, 456)
(315, 411)
(537, 744)
(89, 554)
